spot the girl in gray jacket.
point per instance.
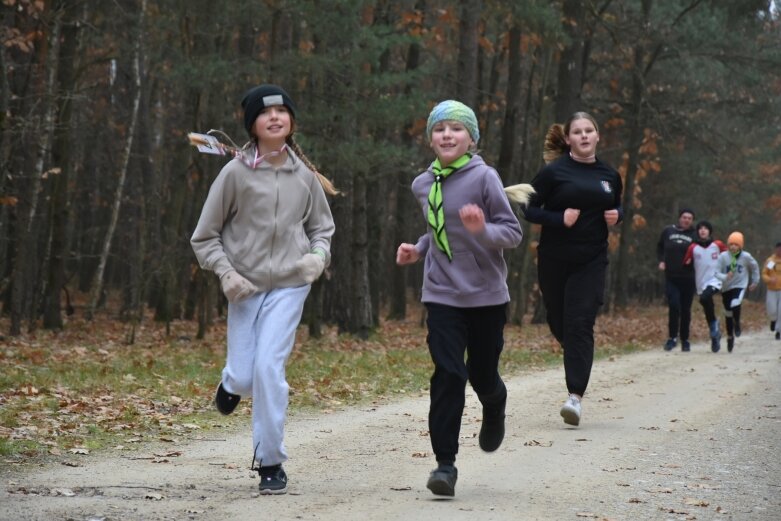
(265, 230)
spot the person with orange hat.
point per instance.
(737, 270)
(771, 275)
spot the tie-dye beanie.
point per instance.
(452, 110)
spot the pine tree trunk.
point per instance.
(58, 193)
(23, 268)
(568, 90)
(469, 36)
(97, 282)
(404, 202)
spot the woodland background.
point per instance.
(100, 191)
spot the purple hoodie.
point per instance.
(477, 275)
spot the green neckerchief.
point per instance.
(733, 262)
(436, 212)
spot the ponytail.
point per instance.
(555, 143)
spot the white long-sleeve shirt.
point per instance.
(705, 260)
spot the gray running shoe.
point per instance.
(442, 480)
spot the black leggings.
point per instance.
(573, 293)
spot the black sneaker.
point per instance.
(224, 401)
(778, 335)
(442, 480)
(730, 343)
(685, 346)
(492, 429)
(273, 480)
(772, 325)
(715, 343)
(670, 344)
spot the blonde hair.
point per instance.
(556, 139)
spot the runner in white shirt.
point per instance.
(703, 253)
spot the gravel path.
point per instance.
(664, 436)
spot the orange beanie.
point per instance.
(736, 238)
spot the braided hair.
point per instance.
(327, 185)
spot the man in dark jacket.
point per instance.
(679, 278)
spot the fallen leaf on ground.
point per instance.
(695, 502)
(535, 443)
(660, 490)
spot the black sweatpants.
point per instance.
(680, 294)
(573, 293)
(706, 299)
(451, 332)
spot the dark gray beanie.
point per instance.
(260, 97)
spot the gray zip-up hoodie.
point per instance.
(746, 272)
(261, 221)
(477, 275)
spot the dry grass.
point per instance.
(85, 389)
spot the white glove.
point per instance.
(310, 267)
(236, 287)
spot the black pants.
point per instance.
(452, 331)
(732, 313)
(573, 293)
(706, 299)
(680, 294)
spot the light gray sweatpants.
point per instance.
(261, 334)
(773, 306)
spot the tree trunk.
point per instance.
(361, 318)
(504, 166)
(633, 146)
(467, 74)
(61, 158)
(404, 199)
(569, 83)
(513, 96)
(621, 273)
(23, 268)
(97, 282)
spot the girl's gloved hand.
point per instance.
(310, 266)
(236, 287)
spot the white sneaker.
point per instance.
(570, 411)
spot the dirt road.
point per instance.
(664, 436)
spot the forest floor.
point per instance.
(663, 436)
